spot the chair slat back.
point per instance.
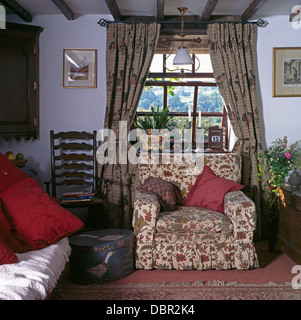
(73, 160)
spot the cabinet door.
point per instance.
(296, 232)
(19, 82)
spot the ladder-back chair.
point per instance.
(74, 169)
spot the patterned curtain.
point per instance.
(233, 56)
(129, 53)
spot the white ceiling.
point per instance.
(149, 7)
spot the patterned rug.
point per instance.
(199, 290)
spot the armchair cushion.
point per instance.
(187, 220)
(209, 191)
(166, 192)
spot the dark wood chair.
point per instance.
(74, 169)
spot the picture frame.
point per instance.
(287, 72)
(79, 68)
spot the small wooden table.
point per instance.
(289, 224)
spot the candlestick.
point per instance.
(200, 117)
(189, 114)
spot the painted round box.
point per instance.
(100, 256)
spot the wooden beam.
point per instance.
(113, 7)
(252, 9)
(160, 10)
(64, 8)
(16, 8)
(211, 4)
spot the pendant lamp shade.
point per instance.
(182, 57)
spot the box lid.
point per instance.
(102, 240)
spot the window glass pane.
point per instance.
(207, 122)
(205, 63)
(179, 98)
(151, 96)
(157, 63)
(209, 100)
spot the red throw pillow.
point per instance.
(6, 234)
(35, 219)
(164, 190)
(9, 173)
(209, 191)
(6, 254)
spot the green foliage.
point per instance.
(276, 162)
(158, 120)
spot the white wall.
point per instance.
(281, 116)
(83, 109)
(61, 108)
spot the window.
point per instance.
(195, 90)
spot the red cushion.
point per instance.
(6, 234)
(6, 254)
(9, 173)
(35, 219)
(209, 191)
(165, 191)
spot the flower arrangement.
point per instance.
(277, 161)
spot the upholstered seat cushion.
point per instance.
(193, 220)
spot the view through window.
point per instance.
(193, 98)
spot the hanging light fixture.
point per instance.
(182, 56)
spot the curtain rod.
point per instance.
(259, 22)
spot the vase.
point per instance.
(154, 142)
(294, 179)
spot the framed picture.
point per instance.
(79, 68)
(287, 72)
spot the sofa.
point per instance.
(190, 212)
(34, 231)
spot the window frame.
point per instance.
(196, 84)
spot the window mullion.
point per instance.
(164, 96)
(195, 100)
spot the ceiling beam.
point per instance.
(252, 9)
(211, 4)
(16, 8)
(64, 8)
(160, 10)
(113, 7)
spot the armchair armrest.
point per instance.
(146, 210)
(241, 210)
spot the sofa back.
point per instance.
(183, 170)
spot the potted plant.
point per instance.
(157, 120)
(156, 128)
(275, 163)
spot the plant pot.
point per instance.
(153, 141)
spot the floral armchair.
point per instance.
(194, 237)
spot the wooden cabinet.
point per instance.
(19, 81)
(289, 224)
